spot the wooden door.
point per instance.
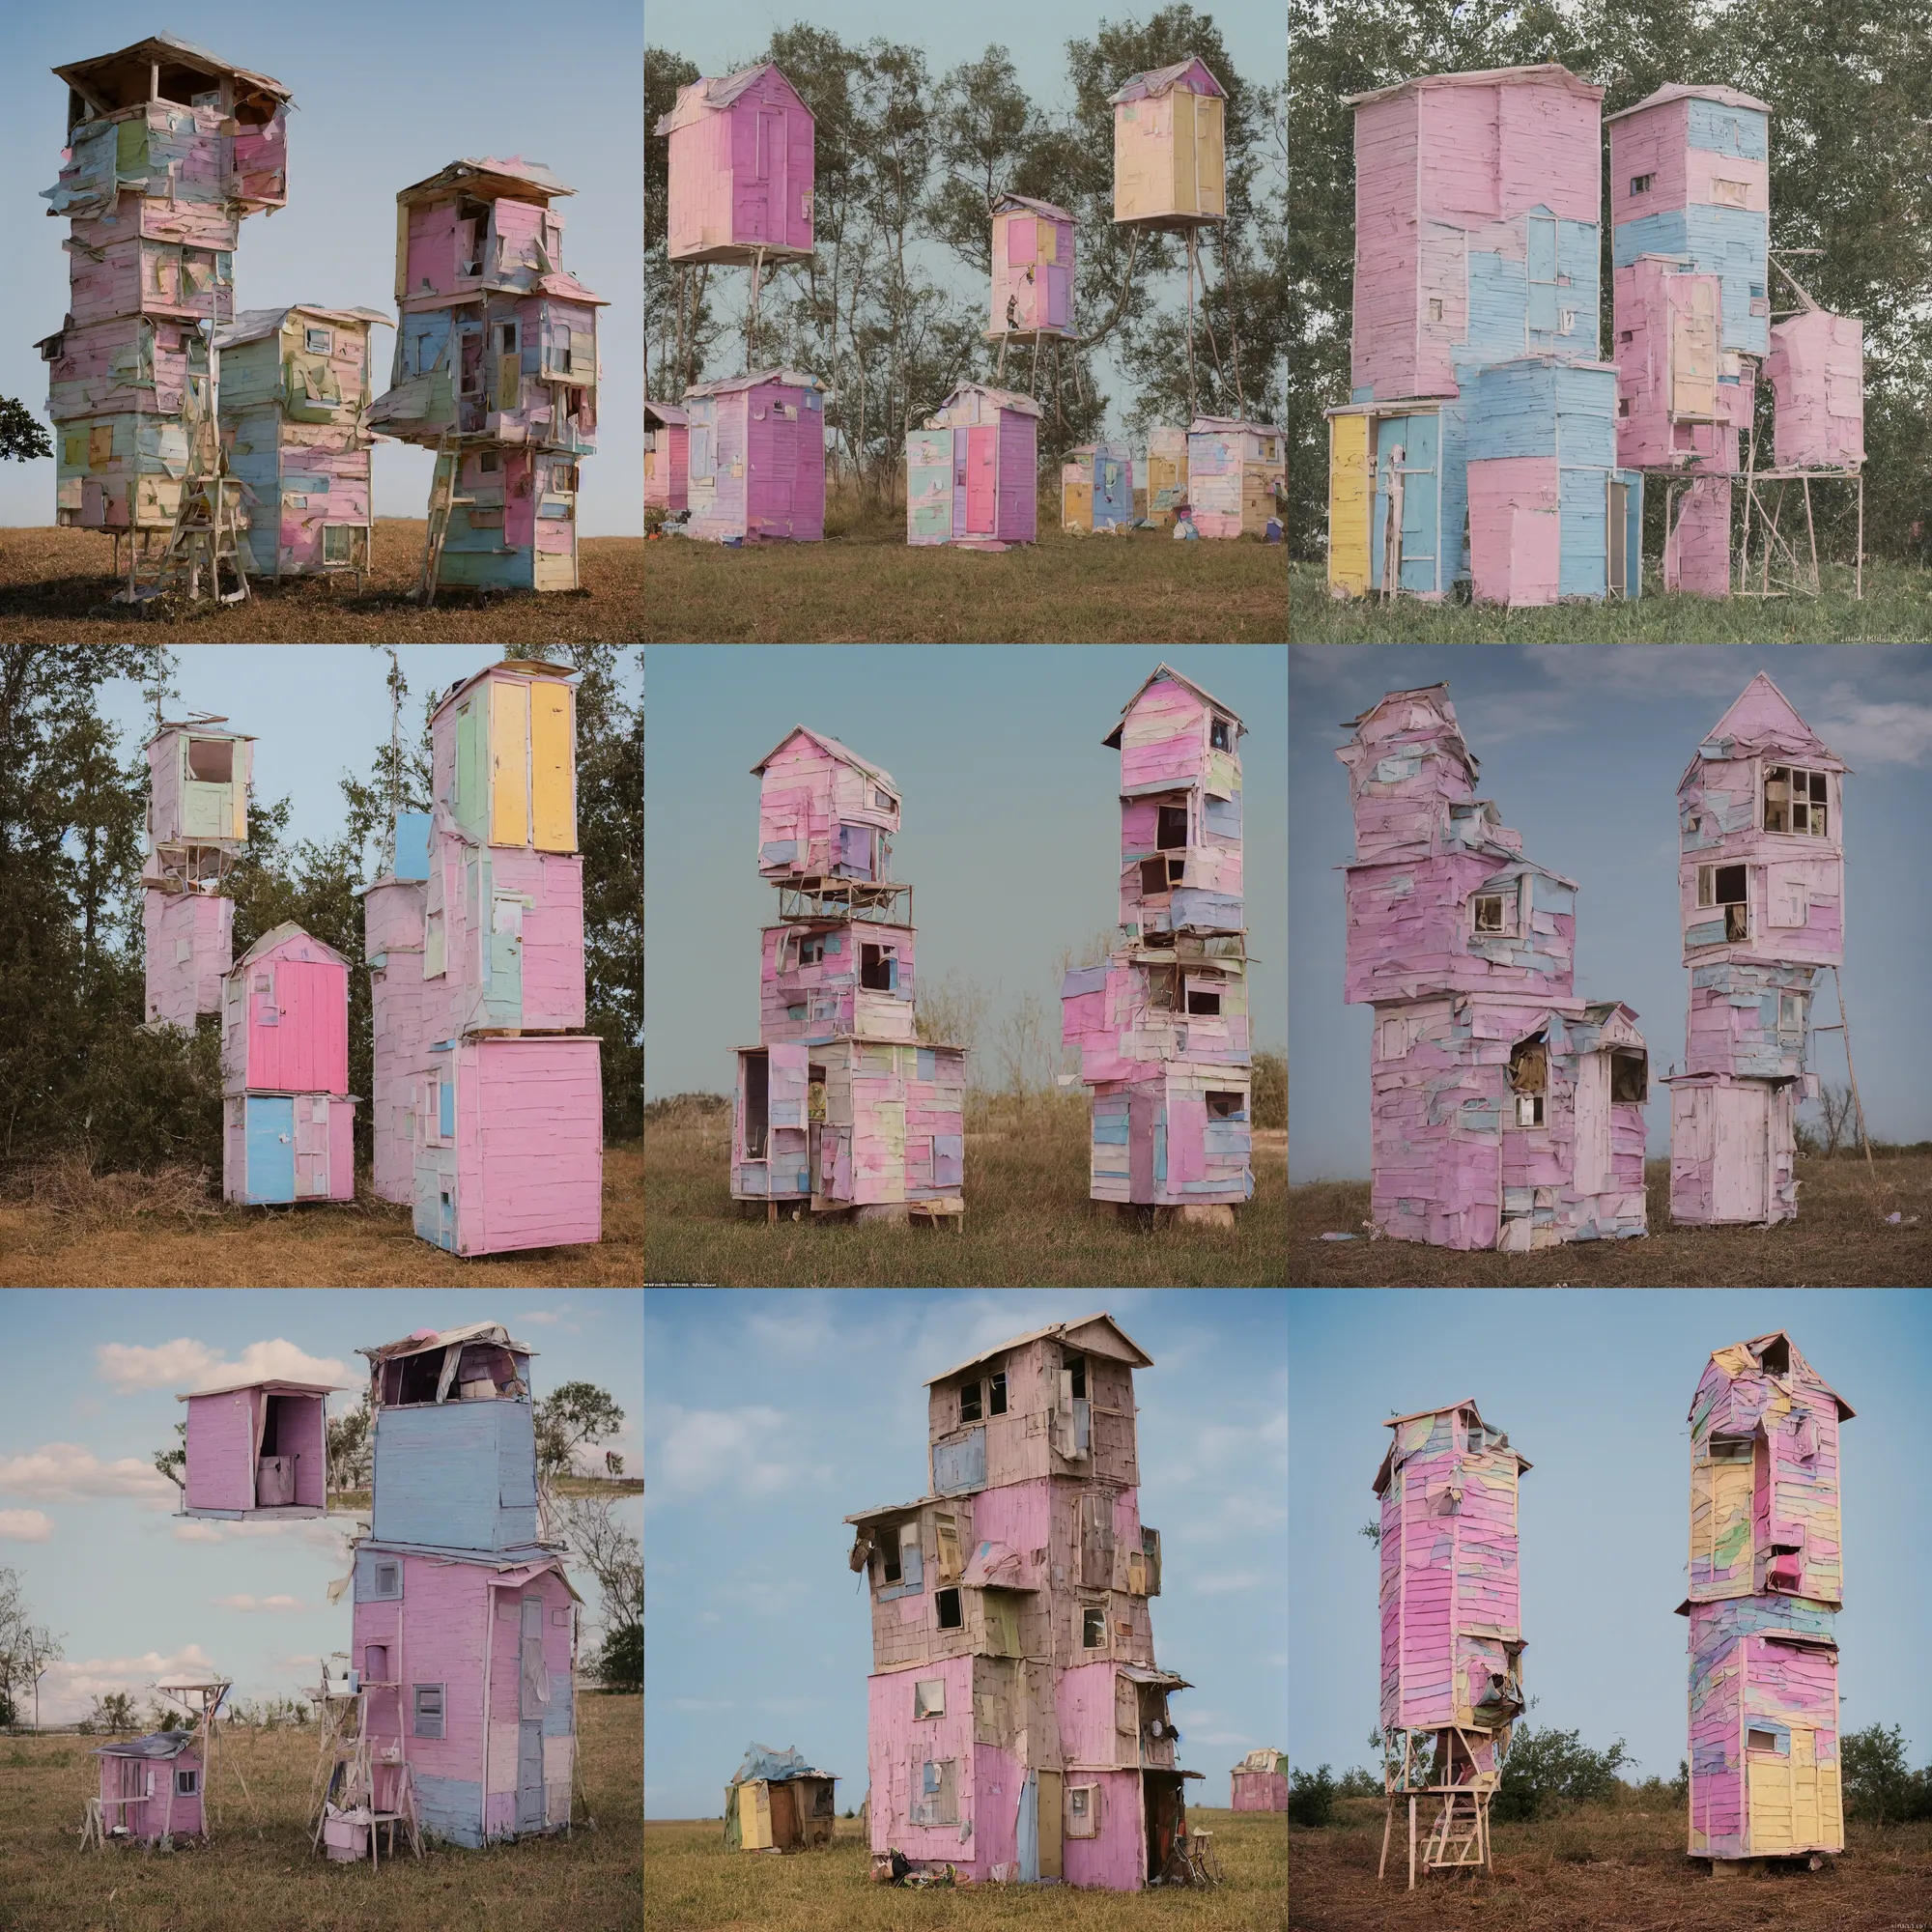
(553, 765)
(1740, 1163)
(784, 1815)
(1768, 1782)
(1050, 1823)
(981, 495)
(1805, 1806)
(1591, 1173)
(1693, 351)
(1619, 539)
(1187, 185)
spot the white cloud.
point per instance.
(69, 1688)
(64, 1472)
(1878, 734)
(196, 1532)
(183, 1364)
(1222, 1583)
(245, 1601)
(25, 1526)
(701, 1704)
(704, 1447)
(1240, 1513)
(541, 1318)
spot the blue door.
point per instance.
(1419, 439)
(271, 1146)
(504, 1001)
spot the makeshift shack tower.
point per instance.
(1766, 1575)
(464, 1622)
(777, 1802)
(1162, 1026)
(842, 1105)
(1451, 1628)
(1478, 397)
(496, 370)
(1505, 1112)
(1761, 895)
(475, 949)
(1018, 1726)
(168, 149)
(197, 827)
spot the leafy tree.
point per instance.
(26, 1648)
(574, 1416)
(352, 1448)
(613, 1554)
(1878, 1785)
(112, 1713)
(1311, 1797)
(172, 1462)
(21, 439)
(1549, 1770)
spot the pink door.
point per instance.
(981, 448)
(1740, 1167)
(772, 166)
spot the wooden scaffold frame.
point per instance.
(1458, 1833)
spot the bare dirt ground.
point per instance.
(55, 583)
(366, 1243)
(1602, 1870)
(692, 1884)
(1841, 1238)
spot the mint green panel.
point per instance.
(471, 748)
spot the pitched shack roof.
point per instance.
(1207, 425)
(253, 323)
(1167, 670)
(1477, 77)
(271, 1384)
(665, 412)
(185, 53)
(1734, 1358)
(1523, 1461)
(425, 1339)
(1010, 201)
(1002, 399)
(791, 379)
(712, 95)
(162, 1744)
(1126, 1349)
(486, 174)
(1726, 97)
(842, 752)
(276, 935)
(1161, 80)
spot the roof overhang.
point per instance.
(1113, 1342)
(269, 1385)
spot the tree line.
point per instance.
(1850, 174)
(907, 168)
(76, 1069)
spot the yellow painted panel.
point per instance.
(509, 763)
(1211, 166)
(1805, 1819)
(1768, 1775)
(1184, 157)
(553, 768)
(1348, 500)
(1731, 1522)
(755, 1817)
(509, 380)
(244, 758)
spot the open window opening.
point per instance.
(1791, 1014)
(889, 1557)
(1171, 833)
(1630, 1075)
(506, 338)
(878, 968)
(1161, 983)
(1094, 1628)
(1227, 1106)
(1775, 1357)
(212, 761)
(1492, 912)
(1220, 735)
(810, 948)
(1177, 870)
(1795, 800)
(1725, 886)
(928, 1697)
(1764, 1741)
(1154, 877)
(1201, 1001)
(1730, 1448)
(969, 1401)
(757, 1104)
(996, 1395)
(1529, 1079)
(1076, 1366)
(951, 1617)
(814, 1096)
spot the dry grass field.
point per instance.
(1028, 1223)
(1602, 1869)
(692, 1884)
(259, 1872)
(864, 585)
(368, 1243)
(1841, 1238)
(55, 583)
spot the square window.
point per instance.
(969, 1401)
(949, 1617)
(186, 1782)
(928, 1697)
(335, 543)
(1154, 877)
(1199, 1001)
(1171, 832)
(1226, 1106)
(884, 800)
(490, 460)
(1529, 1110)
(318, 341)
(1642, 184)
(1492, 912)
(428, 1710)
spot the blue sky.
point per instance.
(317, 710)
(142, 1594)
(1594, 1388)
(1581, 747)
(718, 38)
(773, 1416)
(384, 97)
(1009, 829)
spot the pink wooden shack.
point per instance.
(400, 1001)
(840, 1104)
(464, 1622)
(257, 1450)
(1505, 1112)
(756, 458)
(1761, 885)
(1018, 1726)
(1767, 1574)
(1260, 1781)
(1235, 471)
(197, 826)
(288, 1119)
(169, 148)
(741, 155)
(1033, 268)
(973, 471)
(1162, 1026)
(1817, 373)
(151, 1788)
(667, 456)
(1452, 1637)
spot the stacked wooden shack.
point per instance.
(1018, 1726)
(1767, 1580)
(197, 828)
(1452, 1637)
(1506, 1113)
(1260, 1781)
(842, 1105)
(294, 386)
(754, 458)
(1162, 1026)
(1233, 474)
(1761, 893)
(288, 1117)
(169, 148)
(475, 949)
(1034, 271)
(257, 1450)
(496, 370)
(777, 1802)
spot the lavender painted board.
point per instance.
(440, 1475)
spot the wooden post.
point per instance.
(1817, 585)
(1859, 583)
(1411, 1842)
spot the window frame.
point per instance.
(969, 1401)
(1220, 733)
(1089, 1614)
(1816, 805)
(192, 1776)
(996, 1393)
(939, 1607)
(326, 346)
(419, 1716)
(1506, 914)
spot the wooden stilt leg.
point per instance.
(1388, 1824)
(1411, 1842)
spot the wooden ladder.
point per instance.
(206, 532)
(443, 499)
(1457, 1836)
